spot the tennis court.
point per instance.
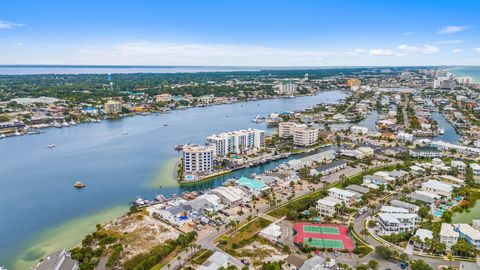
(323, 236)
(324, 243)
(320, 229)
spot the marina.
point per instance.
(118, 168)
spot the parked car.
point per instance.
(245, 261)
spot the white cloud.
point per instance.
(408, 33)
(380, 52)
(454, 41)
(9, 25)
(476, 49)
(457, 50)
(153, 53)
(451, 29)
(426, 49)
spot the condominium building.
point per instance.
(353, 82)
(163, 98)
(286, 88)
(286, 129)
(198, 159)
(237, 141)
(459, 165)
(112, 107)
(305, 136)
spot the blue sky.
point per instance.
(244, 33)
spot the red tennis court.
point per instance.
(323, 236)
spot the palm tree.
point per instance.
(450, 259)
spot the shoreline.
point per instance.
(98, 120)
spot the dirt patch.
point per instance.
(261, 251)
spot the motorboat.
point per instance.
(165, 125)
(17, 133)
(56, 124)
(72, 123)
(51, 145)
(79, 185)
(65, 124)
(2, 136)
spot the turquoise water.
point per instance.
(41, 212)
(473, 72)
(468, 215)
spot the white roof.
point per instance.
(416, 168)
(469, 231)
(452, 178)
(329, 201)
(428, 194)
(424, 234)
(474, 166)
(438, 185)
(458, 163)
(447, 230)
(344, 192)
(392, 209)
(272, 230)
(394, 218)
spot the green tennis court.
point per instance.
(324, 243)
(320, 229)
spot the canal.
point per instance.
(41, 212)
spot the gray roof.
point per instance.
(330, 165)
(198, 203)
(406, 205)
(426, 149)
(358, 189)
(398, 173)
(313, 263)
(420, 197)
(59, 260)
(175, 210)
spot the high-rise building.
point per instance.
(405, 75)
(198, 159)
(237, 141)
(305, 136)
(112, 107)
(286, 129)
(286, 88)
(444, 83)
(353, 82)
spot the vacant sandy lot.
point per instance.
(140, 232)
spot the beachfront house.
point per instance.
(448, 235)
(346, 196)
(327, 206)
(388, 223)
(437, 187)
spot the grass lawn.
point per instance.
(167, 259)
(201, 256)
(244, 235)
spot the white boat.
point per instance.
(124, 133)
(51, 145)
(65, 124)
(441, 131)
(2, 136)
(57, 125)
(17, 133)
(79, 184)
(72, 123)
